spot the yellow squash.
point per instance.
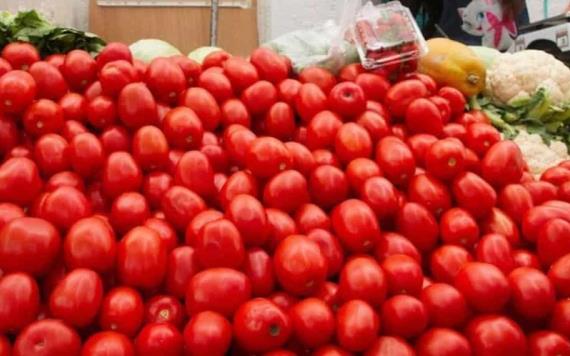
(452, 63)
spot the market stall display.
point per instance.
(162, 206)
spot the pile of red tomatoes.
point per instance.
(232, 207)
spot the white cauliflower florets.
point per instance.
(519, 75)
(537, 154)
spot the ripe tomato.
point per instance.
(294, 252)
(221, 290)
(362, 278)
(312, 322)
(440, 342)
(159, 339)
(564, 192)
(352, 142)
(240, 182)
(547, 343)
(286, 191)
(359, 171)
(65, 179)
(49, 80)
(115, 138)
(322, 130)
(267, 156)
(258, 268)
(108, 342)
(558, 274)
(9, 135)
(330, 248)
(182, 265)
(216, 84)
(480, 137)
(128, 211)
(280, 121)
(375, 87)
(77, 297)
(303, 160)
(219, 244)
(20, 179)
(447, 261)
(350, 72)
(474, 194)
(552, 242)
(310, 101)
(115, 75)
(357, 325)
(503, 164)
(417, 224)
(259, 97)
(180, 205)
(63, 207)
(541, 191)
(536, 217)
(47, 337)
(525, 258)
(122, 311)
(403, 275)
(28, 245)
(423, 116)
(79, 69)
(281, 225)
(101, 112)
(401, 95)
(283, 300)
(87, 155)
(445, 305)
(445, 159)
(355, 225)
(165, 79)
(121, 174)
(325, 157)
(248, 215)
(560, 320)
(269, 65)
(240, 72)
(288, 89)
(555, 175)
(208, 334)
(458, 227)
(195, 172)
(328, 185)
(309, 217)
(19, 301)
(319, 76)
(430, 192)
(496, 335)
(90, 243)
(42, 117)
(237, 142)
(198, 222)
(182, 128)
(136, 106)
(375, 124)
(150, 148)
(419, 145)
(215, 59)
(455, 97)
(515, 200)
(235, 112)
(93, 90)
(51, 153)
(9, 212)
(533, 294)
(113, 51)
(498, 222)
(484, 286)
(17, 91)
(395, 244)
(395, 159)
(347, 99)
(496, 250)
(141, 258)
(155, 185)
(20, 55)
(404, 316)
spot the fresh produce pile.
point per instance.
(231, 207)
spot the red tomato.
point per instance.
(303, 160)
(515, 200)
(164, 230)
(543, 343)
(221, 290)
(155, 185)
(536, 217)
(216, 84)
(77, 297)
(564, 192)
(235, 112)
(267, 156)
(357, 326)
(79, 69)
(401, 95)
(328, 185)
(51, 153)
(533, 294)
(280, 121)
(198, 222)
(180, 205)
(259, 269)
(500, 223)
(443, 342)
(165, 79)
(20, 55)
(9, 212)
(195, 172)
(352, 142)
(444, 109)
(374, 86)
(310, 101)
(496, 250)
(208, 334)
(286, 191)
(238, 183)
(458, 227)
(395, 159)
(49, 80)
(455, 97)
(182, 128)
(9, 134)
(480, 137)
(107, 342)
(395, 244)
(115, 75)
(72, 128)
(247, 213)
(122, 311)
(347, 99)
(215, 59)
(404, 316)
(101, 112)
(445, 305)
(322, 130)
(28, 245)
(558, 274)
(319, 76)
(553, 241)
(237, 141)
(525, 258)
(47, 337)
(128, 211)
(455, 130)
(281, 225)
(283, 300)
(350, 72)
(219, 244)
(503, 164)
(309, 217)
(113, 51)
(359, 171)
(141, 258)
(181, 267)
(269, 65)
(388, 345)
(375, 124)
(447, 261)
(430, 192)
(560, 320)
(484, 286)
(259, 97)
(240, 72)
(288, 89)
(423, 116)
(445, 159)
(62, 179)
(403, 274)
(325, 157)
(355, 225)
(259, 325)
(19, 302)
(90, 243)
(136, 106)
(87, 159)
(417, 224)
(330, 248)
(362, 278)
(115, 138)
(496, 335)
(300, 266)
(541, 191)
(42, 117)
(556, 175)
(312, 322)
(121, 174)
(93, 90)
(17, 91)
(159, 339)
(474, 194)
(20, 181)
(420, 145)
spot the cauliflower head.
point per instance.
(514, 76)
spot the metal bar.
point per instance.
(214, 23)
(244, 4)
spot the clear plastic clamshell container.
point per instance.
(387, 35)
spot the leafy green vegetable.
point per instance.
(536, 114)
(32, 27)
